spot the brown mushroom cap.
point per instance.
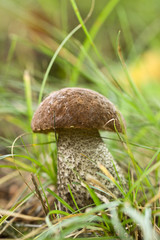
(75, 108)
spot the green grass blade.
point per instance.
(143, 176)
(74, 5)
(126, 28)
(28, 94)
(118, 226)
(19, 164)
(93, 32)
(61, 200)
(53, 59)
(15, 207)
(93, 195)
(143, 221)
(59, 212)
(73, 198)
(143, 105)
(36, 162)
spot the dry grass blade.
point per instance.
(157, 229)
(33, 233)
(8, 177)
(12, 152)
(106, 172)
(98, 184)
(39, 195)
(19, 215)
(15, 196)
(9, 223)
(154, 199)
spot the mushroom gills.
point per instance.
(79, 153)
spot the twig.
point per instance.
(39, 195)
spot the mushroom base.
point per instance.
(79, 152)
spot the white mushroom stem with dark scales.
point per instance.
(79, 152)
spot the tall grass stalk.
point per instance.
(93, 32)
(143, 104)
(28, 94)
(52, 61)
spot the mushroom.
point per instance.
(77, 115)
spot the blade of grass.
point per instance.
(118, 226)
(19, 215)
(144, 107)
(11, 51)
(144, 175)
(115, 182)
(9, 176)
(58, 212)
(16, 121)
(69, 226)
(39, 164)
(143, 221)
(21, 165)
(11, 166)
(73, 198)
(93, 45)
(126, 145)
(64, 15)
(28, 94)
(96, 76)
(15, 207)
(61, 200)
(93, 32)
(95, 238)
(97, 203)
(19, 204)
(46, 199)
(74, 5)
(53, 59)
(125, 25)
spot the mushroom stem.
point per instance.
(79, 152)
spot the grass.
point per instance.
(44, 58)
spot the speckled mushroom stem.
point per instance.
(79, 151)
